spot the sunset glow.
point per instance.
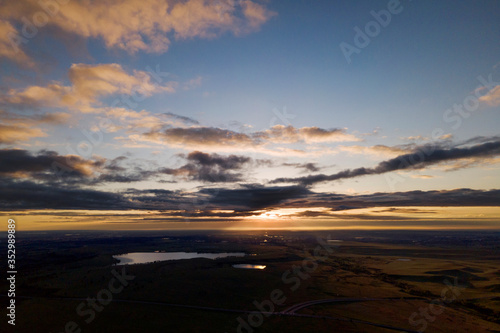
(210, 114)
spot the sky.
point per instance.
(250, 114)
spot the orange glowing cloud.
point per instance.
(88, 83)
(143, 25)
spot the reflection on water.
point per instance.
(248, 266)
(147, 257)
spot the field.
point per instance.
(369, 282)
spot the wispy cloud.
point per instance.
(88, 84)
(492, 97)
(312, 167)
(418, 159)
(17, 128)
(377, 150)
(9, 45)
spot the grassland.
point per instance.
(403, 274)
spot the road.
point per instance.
(296, 307)
(290, 311)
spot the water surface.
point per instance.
(248, 266)
(148, 257)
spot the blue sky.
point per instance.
(262, 88)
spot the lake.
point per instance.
(248, 266)
(148, 257)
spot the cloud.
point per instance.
(252, 197)
(15, 133)
(212, 168)
(415, 138)
(9, 45)
(183, 119)
(134, 25)
(290, 134)
(406, 211)
(224, 139)
(45, 165)
(193, 83)
(312, 213)
(16, 128)
(306, 166)
(48, 166)
(201, 137)
(92, 81)
(228, 202)
(340, 202)
(492, 97)
(457, 197)
(115, 118)
(88, 84)
(479, 139)
(49, 95)
(422, 176)
(28, 194)
(377, 150)
(425, 156)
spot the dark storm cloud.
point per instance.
(121, 178)
(31, 195)
(419, 159)
(457, 197)
(18, 195)
(215, 160)
(252, 197)
(212, 168)
(49, 166)
(45, 164)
